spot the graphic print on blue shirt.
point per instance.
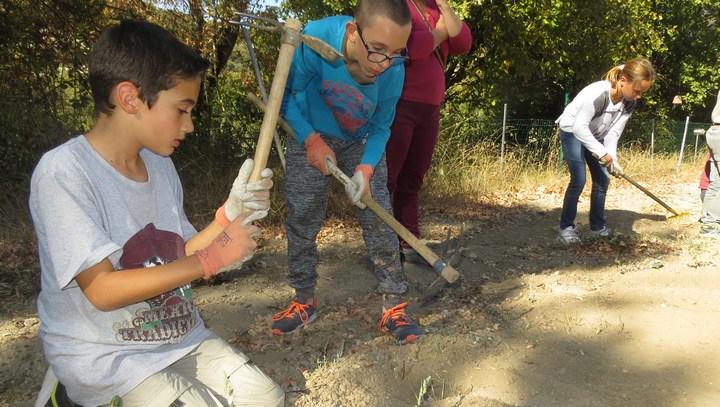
(348, 105)
(170, 315)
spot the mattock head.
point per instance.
(326, 51)
(290, 35)
(434, 289)
(451, 256)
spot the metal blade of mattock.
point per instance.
(289, 41)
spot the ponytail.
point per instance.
(638, 69)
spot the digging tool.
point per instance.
(449, 257)
(326, 51)
(261, 85)
(444, 269)
(650, 194)
(291, 37)
(289, 41)
(441, 267)
(640, 187)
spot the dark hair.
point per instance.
(144, 54)
(396, 10)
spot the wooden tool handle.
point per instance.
(290, 41)
(445, 270)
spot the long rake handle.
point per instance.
(642, 188)
(650, 194)
(445, 270)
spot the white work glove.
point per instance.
(244, 195)
(616, 170)
(360, 185)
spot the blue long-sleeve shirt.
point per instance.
(323, 97)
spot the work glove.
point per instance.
(318, 152)
(231, 248)
(253, 196)
(360, 185)
(604, 161)
(616, 170)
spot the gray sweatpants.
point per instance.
(711, 204)
(306, 195)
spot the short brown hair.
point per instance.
(396, 10)
(144, 54)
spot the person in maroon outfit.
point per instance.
(436, 33)
(705, 178)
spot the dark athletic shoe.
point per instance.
(396, 322)
(296, 316)
(409, 255)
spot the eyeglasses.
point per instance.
(378, 57)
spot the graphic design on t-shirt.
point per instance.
(171, 315)
(348, 105)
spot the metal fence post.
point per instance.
(682, 146)
(502, 141)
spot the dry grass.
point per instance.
(464, 173)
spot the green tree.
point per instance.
(690, 67)
(42, 76)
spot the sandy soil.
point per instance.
(626, 321)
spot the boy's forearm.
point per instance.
(109, 289)
(203, 238)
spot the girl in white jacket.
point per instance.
(590, 128)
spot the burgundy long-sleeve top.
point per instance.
(424, 76)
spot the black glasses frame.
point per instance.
(379, 57)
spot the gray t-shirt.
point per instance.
(85, 211)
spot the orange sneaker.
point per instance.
(396, 322)
(296, 316)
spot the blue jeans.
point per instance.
(576, 156)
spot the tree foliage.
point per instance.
(533, 55)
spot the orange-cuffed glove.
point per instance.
(231, 248)
(318, 152)
(360, 185)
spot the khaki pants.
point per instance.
(214, 374)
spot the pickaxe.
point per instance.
(291, 37)
(441, 267)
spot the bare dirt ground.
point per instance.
(626, 321)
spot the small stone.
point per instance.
(30, 322)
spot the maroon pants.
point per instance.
(409, 153)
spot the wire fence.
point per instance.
(538, 138)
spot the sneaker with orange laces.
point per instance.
(396, 322)
(296, 316)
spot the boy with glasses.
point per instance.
(342, 111)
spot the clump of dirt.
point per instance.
(616, 321)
